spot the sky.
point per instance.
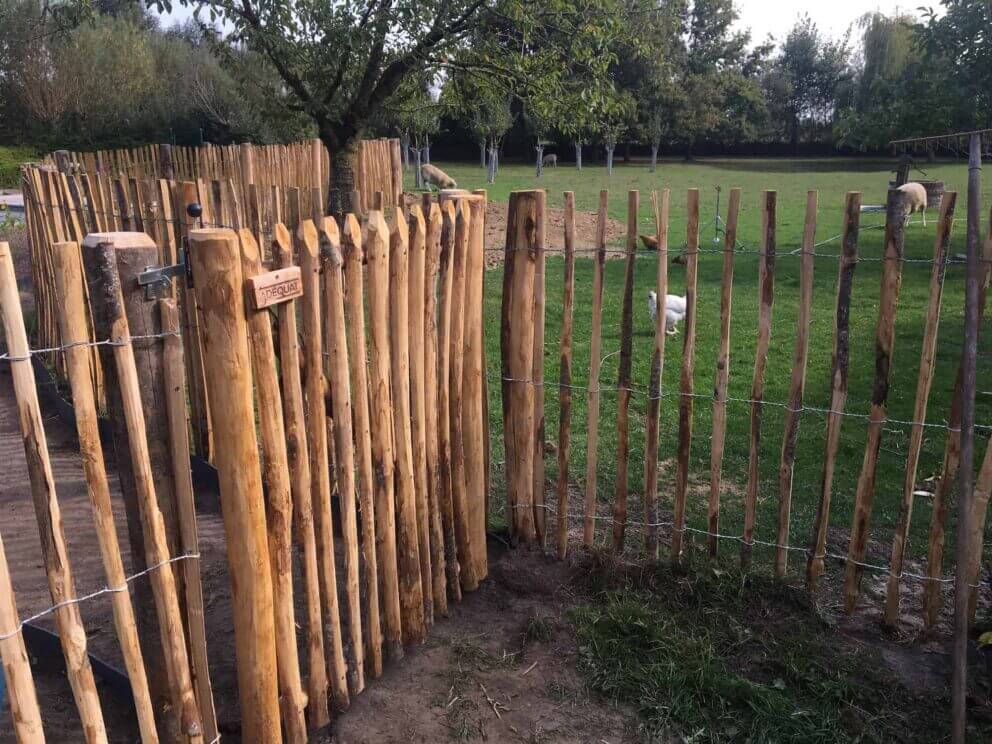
(775, 17)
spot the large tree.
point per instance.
(343, 61)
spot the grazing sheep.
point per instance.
(917, 198)
(550, 160)
(432, 175)
(674, 311)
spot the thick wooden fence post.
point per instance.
(340, 389)
(298, 455)
(595, 362)
(351, 239)
(928, 360)
(524, 215)
(565, 377)
(57, 567)
(797, 385)
(766, 288)
(537, 380)
(279, 517)
(624, 377)
(219, 289)
(722, 377)
(686, 389)
(73, 317)
(377, 256)
(838, 383)
(653, 424)
(895, 235)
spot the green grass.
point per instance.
(10, 163)
(832, 178)
(720, 657)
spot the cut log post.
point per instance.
(722, 377)
(595, 349)
(340, 389)
(766, 289)
(377, 256)
(686, 389)
(653, 425)
(797, 385)
(983, 490)
(320, 483)
(624, 377)
(351, 243)
(928, 363)
(537, 378)
(481, 514)
(895, 234)
(417, 228)
(525, 211)
(298, 457)
(838, 383)
(102, 262)
(565, 377)
(445, 285)
(175, 386)
(279, 511)
(49, 515)
(74, 324)
(407, 540)
(432, 405)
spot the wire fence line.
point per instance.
(6, 357)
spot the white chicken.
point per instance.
(674, 311)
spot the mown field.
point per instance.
(832, 178)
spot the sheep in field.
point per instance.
(550, 160)
(432, 175)
(916, 196)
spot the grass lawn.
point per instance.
(832, 177)
(10, 163)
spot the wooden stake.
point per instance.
(337, 346)
(983, 490)
(407, 543)
(838, 382)
(377, 257)
(73, 320)
(691, 254)
(565, 376)
(100, 251)
(797, 386)
(722, 377)
(279, 517)
(766, 284)
(592, 435)
(298, 458)
(432, 406)
(895, 234)
(624, 378)
(320, 494)
(175, 387)
(351, 241)
(418, 399)
(57, 568)
(928, 359)
(537, 376)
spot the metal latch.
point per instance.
(156, 278)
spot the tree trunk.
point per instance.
(426, 156)
(418, 180)
(405, 147)
(491, 174)
(482, 153)
(578, 155)
(342, 180)
(688, 151)
(609, 159)
(654, 156)
(626, 152)
(540, 159)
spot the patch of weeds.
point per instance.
(474, 656)
(717, 657)
(538, 629)
(559, 692)
(463, 721)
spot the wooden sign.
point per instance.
(274, 287)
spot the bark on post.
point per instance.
(74, 324)
(377, 256)
(298, 457)
(797, 386)
(838, 383)
(624, 377)
(537, 377)
(565, 377)
(279, 517)
(722, 371)
(217, 274)
(57, 567)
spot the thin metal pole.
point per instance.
(959, 673)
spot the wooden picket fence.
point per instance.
(385, 410)
(533, 521)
